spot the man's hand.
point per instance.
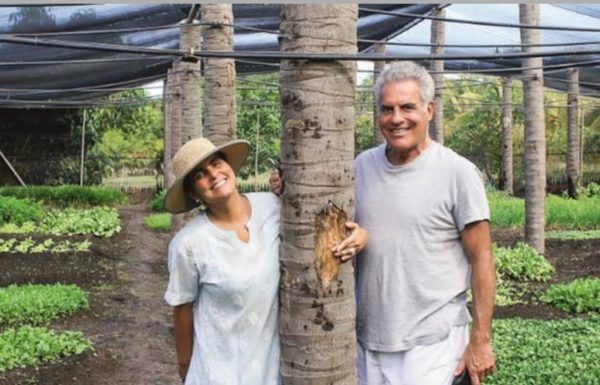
(275, 182)
(353, 244)
(478, 359)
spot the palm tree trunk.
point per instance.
(535, 140)
(377, 68)
(191, 86)
(219, 75)
(573, 143)
(436, 126)
(316, 324)
(507, 143)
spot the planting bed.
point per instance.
(130, 326)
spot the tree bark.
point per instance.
(436, 126)
(172, 116)
(219, 75)
(507, 142)
(535, 140)
(191, 86)
(573, 135)
(316, 325)
(377, 68)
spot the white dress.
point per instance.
(234, 287)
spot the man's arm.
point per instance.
(478, 357)
(183, 325)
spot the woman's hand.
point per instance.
(353, 244)
(275, 182)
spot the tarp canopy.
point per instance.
(34, 74)
(42, 73)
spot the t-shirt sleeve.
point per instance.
(470, 203)
(183, 275)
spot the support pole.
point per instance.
(377, 67)
(436, 126)
(12, 169)
(81, 169)
(573, 134)
(507, 140)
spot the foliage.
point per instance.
(581, 295)
(246, 187)
(68, 195)
(364, 137)
(100, 221)
(561, 213)
(28, 245)
(522, 262)
(29, 345)
(258, 106)
(592, 190)
(158, 202)
(39, 304)
(158, 222)
(533, 352)
(19, 211)
(573, 234)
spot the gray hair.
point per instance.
(403, 70)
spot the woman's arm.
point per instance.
(183, 325)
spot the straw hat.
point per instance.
(190, 155)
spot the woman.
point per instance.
(224, 270)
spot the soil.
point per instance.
(130, 325)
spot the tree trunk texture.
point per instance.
(318, 340)
(535, 140)
(377, 68)
(573, 135)
(191, 86)
(507, 142)
(172, 116)
(219, 75)
(436, 126)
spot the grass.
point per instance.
(533, 352)
(579, 296)
(29, 345)
(561, 213)
(158, 222)
(573, 234)
(39, 304)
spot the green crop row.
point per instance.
(39, 304)
(158, 222)
(573, 234)
(534, 352)
(522, 262)
(100, 221)
(579, 296)
(19, 211)
(28, 245)
(68, 195)
(29, 345)
(561, 213)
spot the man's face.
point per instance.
(404, 120)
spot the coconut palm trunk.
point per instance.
(377, 68)
(507, 142)
(535, 140)
(436, 126)
(573, 134)
(219, 74)
(317, 306)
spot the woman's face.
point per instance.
(213, 180)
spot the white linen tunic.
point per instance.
(234, 287)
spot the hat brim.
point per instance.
(176, 200)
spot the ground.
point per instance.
(130, 325)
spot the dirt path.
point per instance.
(144, 348)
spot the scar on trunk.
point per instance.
(330, 230)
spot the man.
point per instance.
(426, 213)
(427, 216)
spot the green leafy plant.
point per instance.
(19, 211)
(522, 262)
(29, 345)
(31, 246)
(158, 202)
(158, 222)
(532, 352)
(39, 304)
(592, 190)
(579, 296)
(68, 195)
(100, 221)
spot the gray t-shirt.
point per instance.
(413, 275)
